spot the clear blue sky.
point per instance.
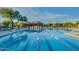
(62, 10)
(50, 14)
(57, 10)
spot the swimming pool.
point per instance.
(46, 40)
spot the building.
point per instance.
(33, 25)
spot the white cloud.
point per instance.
(34, 14)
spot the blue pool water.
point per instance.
(46, 40)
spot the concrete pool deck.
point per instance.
(73, 35)
(2, 33)
(7, 32)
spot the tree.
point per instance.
(16, 15)
(68, 24)
(11, 14)
(77, 24)
(23, 18)
(6, 23)
(7, 13)
(19, 24)
(50, 25)
(58, 25)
